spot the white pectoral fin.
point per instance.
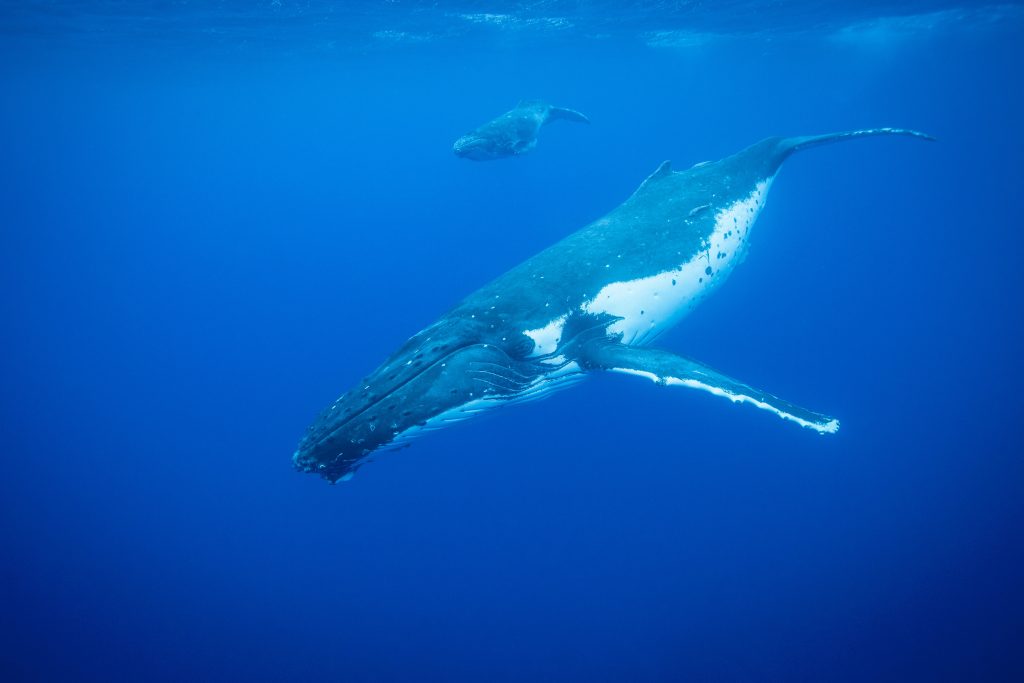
(669, 369)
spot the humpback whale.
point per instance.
(512, 133)
(592, 302)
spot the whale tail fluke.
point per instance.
(794, 144)
(560, 113)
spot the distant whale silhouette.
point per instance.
(591, 302)
(512, 133)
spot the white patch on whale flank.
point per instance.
(650, 304)
(545, 339)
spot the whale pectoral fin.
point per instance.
(669, 369)
(561, 113)
(524, 146)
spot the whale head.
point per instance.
(474, 147)
(443, 375)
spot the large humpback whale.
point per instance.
(591, 302)
(512, 133)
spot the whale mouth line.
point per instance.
(348, 420)
(335, 466)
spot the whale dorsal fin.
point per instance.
(663, 171)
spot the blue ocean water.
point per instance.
(218, 216)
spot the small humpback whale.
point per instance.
(592, 302)
(512, 133)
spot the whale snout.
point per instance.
(471, 147)
(422, 387)
(353, 429)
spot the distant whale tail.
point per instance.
(556, 113)
(790, 145)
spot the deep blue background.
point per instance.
(202, 246)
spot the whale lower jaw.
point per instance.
(559, 378)
(545, 385)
